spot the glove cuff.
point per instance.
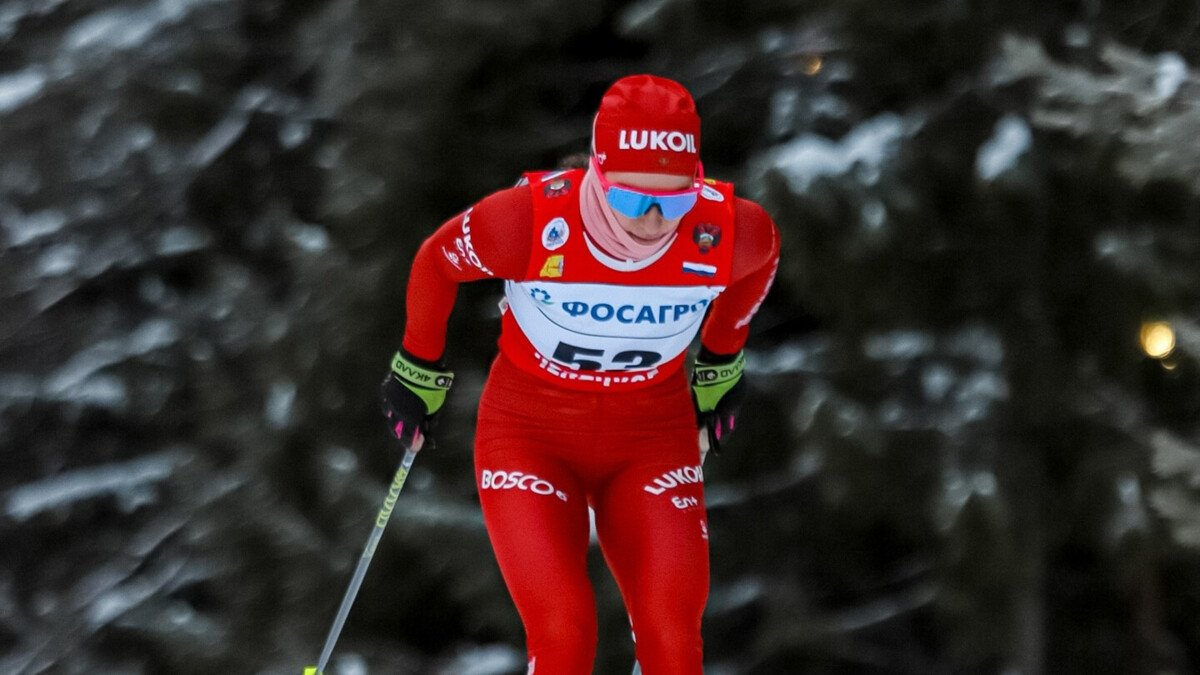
(711, 381)
(439, 364)
(711, 358)
(429, 383)
(722, 369)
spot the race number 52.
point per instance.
(582, 358)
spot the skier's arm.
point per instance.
(717, 385)
(489, 240)
(755, 258)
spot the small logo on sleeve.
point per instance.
(466, 250)
(706, 236)
(555, 234)
(557, 188)
(711, 193)
(552, 268)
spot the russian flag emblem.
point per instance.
(700, 268)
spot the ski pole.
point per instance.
(381, 520)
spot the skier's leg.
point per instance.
(536, 516)
(653, 530)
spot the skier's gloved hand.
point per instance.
(412, 394)
(717, 392)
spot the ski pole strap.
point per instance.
(428, 381)
(714, 375)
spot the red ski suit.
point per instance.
(588, 404)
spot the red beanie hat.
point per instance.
(647, 124)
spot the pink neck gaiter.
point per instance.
(602, 226)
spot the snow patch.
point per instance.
(278, 407)
(115, 603)
(1009, 142)
(1131, 514)
(784, 106)
(25, 228)
(59, 260)
(181, 240)
(294, 133)
(340, 459)
(641, 16)
(115, 29)
(898, 344)
(487, 660)
(149, 336)
(100, 391)
(18, 387)
(978, 343)
(937, 379)
(21, 87)
(874, 214)
(308, 237)
(219, 139)
(119, 29)
(127, 481)
(958, 488)
(351, 664)
(1172, 71)
(867, 148)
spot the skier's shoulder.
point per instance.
(757, 239)
(751, 215)
(507, 204)
(556, 178)
(501, 221)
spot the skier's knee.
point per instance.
(670, 646)
(575, 634)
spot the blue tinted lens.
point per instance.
(633, 204)
(627, 202)
(676, 205)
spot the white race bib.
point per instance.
(608, 327)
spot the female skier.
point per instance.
(610, 272)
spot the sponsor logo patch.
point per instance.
(630, 314)
(557, 188)
(500, 479)
(656, 139)
(685, 503)
(706, 236)
(466, 249)
(684, 475)
(541, 296)
(552, 268)
(555, 234)
(711, 193)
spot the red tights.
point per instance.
(543, 454)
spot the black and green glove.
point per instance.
(412, 394)
(717, 392)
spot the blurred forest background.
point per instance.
(972, 444)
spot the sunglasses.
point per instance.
(635, 202)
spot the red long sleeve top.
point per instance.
(500, 231)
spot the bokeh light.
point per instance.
(811, 63)
(1158, 339)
